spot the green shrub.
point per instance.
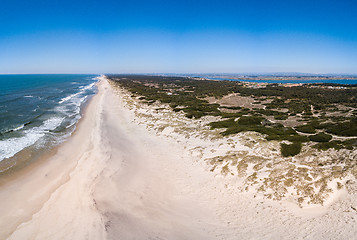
(288, 150)
(326, 145)
(231, 115)
(233, 130)
(233, 108)
(273, 137)
(305, 128)
(343, 128)
(297, 138)
(250, 120)
(223, 124)
(320, 137)
(281, 117)
(350, 143)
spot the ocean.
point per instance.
(38, 112)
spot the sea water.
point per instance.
(40, 111)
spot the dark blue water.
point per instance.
(40, 110)
(341, 81)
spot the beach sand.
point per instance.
(115, 179)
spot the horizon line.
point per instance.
(198, 73)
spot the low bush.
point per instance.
(305, 128)
(350, 143)
(231, 115)
(229, 123)
(327, 145)
(250, 120)
(233, 108)
(281, 117)
(297, 138)
(347, 129)
(288, 150)
(320, 137)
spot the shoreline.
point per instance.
(40, 114)
(120, 178)
(29, 157)
(27, 176)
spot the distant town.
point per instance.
(284, 76)
(278, 79)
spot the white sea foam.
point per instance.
(51, 124)
(73, 122)
(83, 89)
(15, 129)
(10, 147)
(18, 128)
(88, 86)
(79, 101)
(69, 97)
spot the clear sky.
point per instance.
(86, 36)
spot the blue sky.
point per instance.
(178, 36)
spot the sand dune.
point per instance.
(114, 179)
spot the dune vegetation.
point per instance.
(323, 113)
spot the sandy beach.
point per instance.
(116, 179)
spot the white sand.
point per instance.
(114, 179)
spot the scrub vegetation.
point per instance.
(301, 121)
(321, 112)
